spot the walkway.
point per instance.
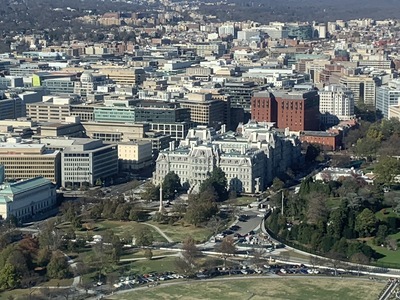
(160, 232)
(145, 258)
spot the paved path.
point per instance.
(145, 258)
(160, 232)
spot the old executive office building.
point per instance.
(250, 158)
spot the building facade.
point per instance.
(85, 161)
(24, 161)
(387, 96)
(297, 111)
(26, 199)
(250, 159)
(336, 103)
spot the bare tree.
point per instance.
(190, 251)
(258, 257)
(227, 248)
(359, 259)
(215, 224)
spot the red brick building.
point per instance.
(263, 107)
(327, 140)
(297, 111)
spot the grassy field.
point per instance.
(390, 256)
(148, 266)
(257, 289)
(385, 213)
(121, 228)
(178, 233)
(23, 294)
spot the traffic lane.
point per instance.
(250, 224)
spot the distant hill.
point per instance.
(306, 10)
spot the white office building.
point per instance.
(336, 103)
(387, 96)
(250, 159)
(84, 161)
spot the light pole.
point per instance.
(161, 208)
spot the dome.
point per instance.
(86, 77)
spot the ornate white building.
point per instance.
(250, 158)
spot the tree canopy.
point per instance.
(218, 182)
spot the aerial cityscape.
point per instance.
(199, 149)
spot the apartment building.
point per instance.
(125, 76)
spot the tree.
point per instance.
(137, 214)
(9, 278)
(201, 207)
(312, 153)
(150, 192)
(365, 223)
(122, 212)
(386, 169)
(359, 259)
(258, 257)
(171, 185)
(381, 234)
(148, 254)
(190, 251)
(43, 257)
(316, 210)
(50, 236)
(335, 260)
(277, 184)
(58, 267)
(227, 248)
(184, 267)
(179, 209)
(215, 224)
(143, 236)
(218, 182)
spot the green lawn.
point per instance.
(23, 294)
(390, 256)
(157, 265)
(121, 228)
(178, 233)
(386, 213)
(268, 288)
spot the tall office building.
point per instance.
(240, 93)
(24, 161)
(387, 96)
(336, 102)
(84, 161)
(362, 86)
(297, 111)
(204, 110)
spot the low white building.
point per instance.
(25, 199)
